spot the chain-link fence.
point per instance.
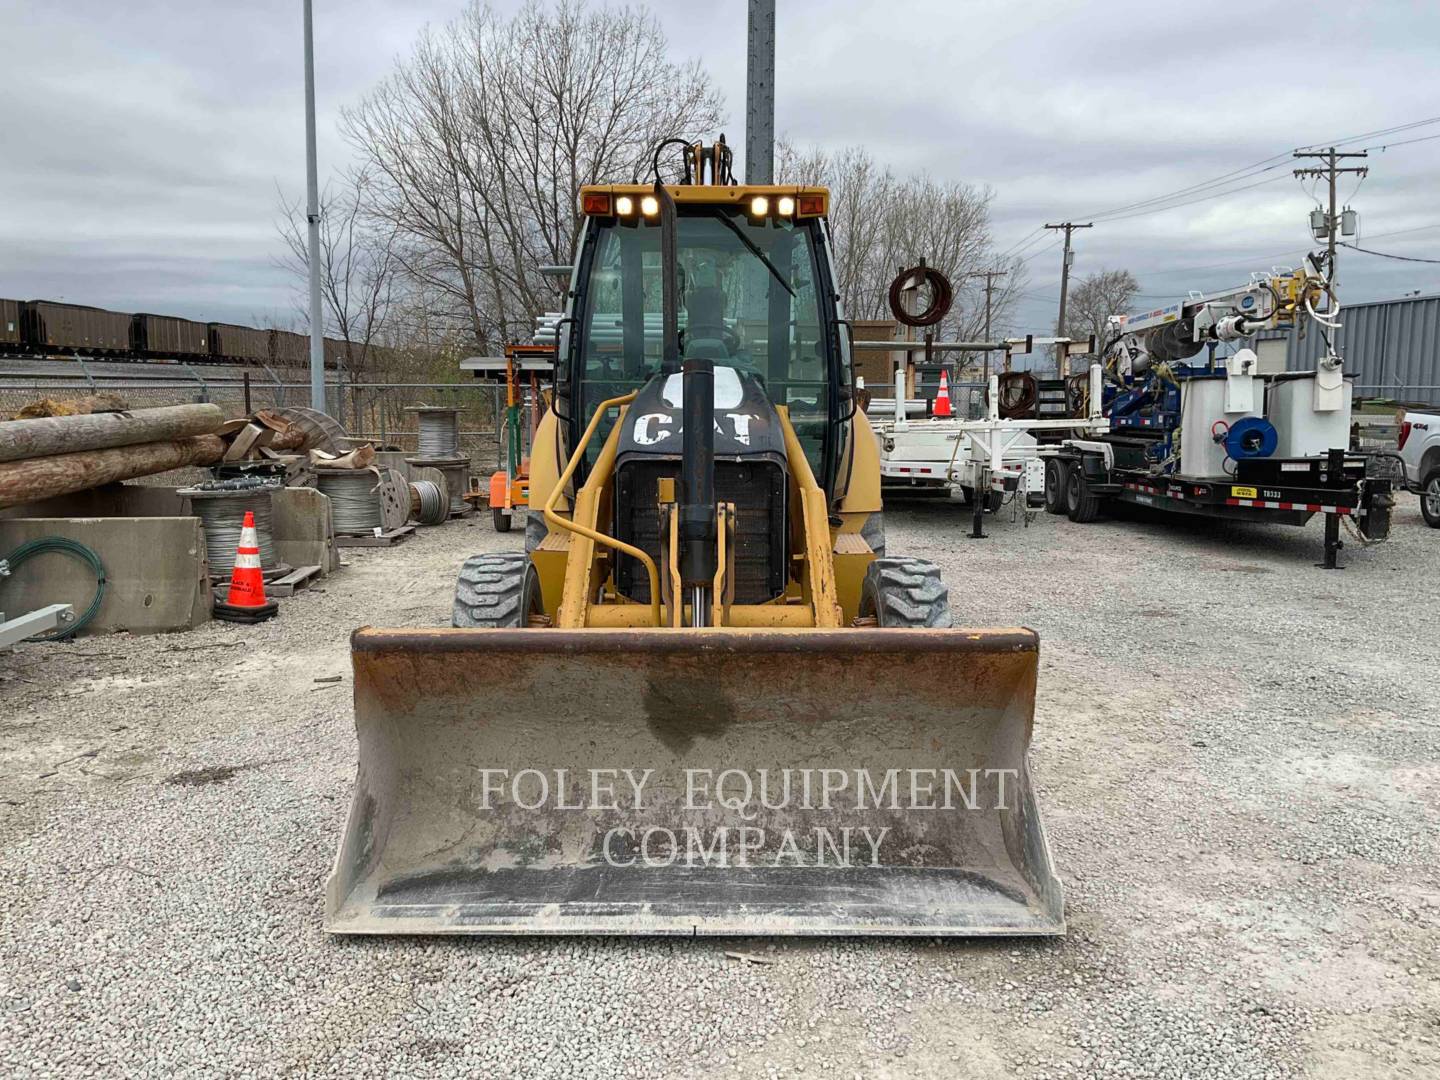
(378, 412)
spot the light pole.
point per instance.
(312, 218)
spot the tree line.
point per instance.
(469, 156)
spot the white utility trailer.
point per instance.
(981, 461)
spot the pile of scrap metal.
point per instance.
(70, 450)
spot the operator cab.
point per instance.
(755, 295)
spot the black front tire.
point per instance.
(903, 592)
(1430, 499)
(1055, 475)
(500, 519)
(496, 590)
(1080, 504)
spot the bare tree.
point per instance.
(880, 223)
(1095, 299)
(481, 138)
(358, 265)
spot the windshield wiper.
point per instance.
(755, 250)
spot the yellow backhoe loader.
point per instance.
(705, 699)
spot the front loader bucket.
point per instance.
(719, 781)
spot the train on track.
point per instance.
(49, 328)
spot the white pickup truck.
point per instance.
(1420, 449)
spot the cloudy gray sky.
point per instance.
(147, 139)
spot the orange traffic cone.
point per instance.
(942, 397)
(247, 582)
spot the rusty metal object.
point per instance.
(890, 722)
(1019, 395)
(942, 295)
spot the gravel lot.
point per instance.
(1238, 756)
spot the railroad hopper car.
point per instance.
(9, 323)
(288, 349)
(74, 328)
(166, 335)
(243, 343)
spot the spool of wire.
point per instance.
(428, 504)
(354, 500)
(221, 505)
(439, 431)
(456, 473)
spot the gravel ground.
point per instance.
(1236, 753)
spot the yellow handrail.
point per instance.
(555, 521)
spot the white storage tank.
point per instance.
(1303, 429)
(1203, 401)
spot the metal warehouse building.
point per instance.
(1392, 347)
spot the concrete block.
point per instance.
(110, 500)
(394, 459)
(303, 529)
(158, 578)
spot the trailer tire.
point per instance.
(1055, 473)
(994, 500)
(1080, 504)
(905, 592)
(1430, 499)
(499, 519)
(495, 590)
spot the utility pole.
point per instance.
(1332, 220)
(760, 95)
(989, 276)
(312, 217)
(1066, 260)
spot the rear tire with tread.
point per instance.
(1081, 506)
(905, 592)
(1055, 474)
(500, 519)
(495, 590)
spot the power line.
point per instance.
(1404, 142)
(1373, 134)
(1230, 177)
(1192, 202)
(1256, 168)
(1386, 255)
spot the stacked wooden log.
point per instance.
(56, 455)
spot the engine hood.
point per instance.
(746, 424)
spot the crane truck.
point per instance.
(1213, 436)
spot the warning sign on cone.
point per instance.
(247, 582)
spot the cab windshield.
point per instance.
(754, 306)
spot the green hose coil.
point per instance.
(61, 545)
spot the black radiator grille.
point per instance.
(757, 488)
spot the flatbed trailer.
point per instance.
(1084, 474)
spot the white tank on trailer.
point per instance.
(1303, 429)
(1204, 400)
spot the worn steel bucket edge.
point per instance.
(419, 647)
